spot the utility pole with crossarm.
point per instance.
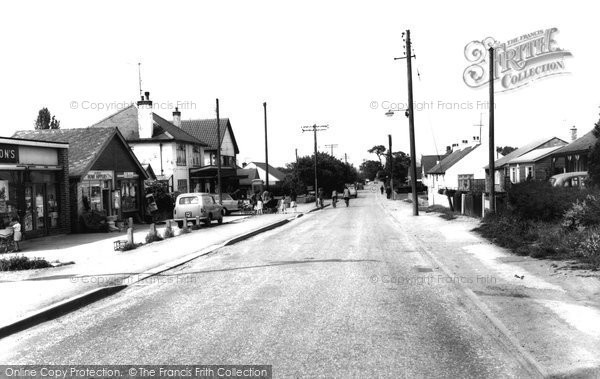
(315, 128)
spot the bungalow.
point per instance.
(170, 150)
(104, 174)
(275, 176)
(574, 156)
(427, 163)
(529, 161)
(461, 169)
(205, 178)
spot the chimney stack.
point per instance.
(448, 149)
(573, 133)
(145, 120)
(177, 118)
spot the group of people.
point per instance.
(334, 197)
(388, 191)
(265, 200)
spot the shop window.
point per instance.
(128, 200)
(181, 159)
(196, 157)
(182, 186)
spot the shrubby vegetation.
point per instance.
(21, 262)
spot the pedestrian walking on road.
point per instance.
(381, 188)
(388, 192)
(346, 196)
(334, 198)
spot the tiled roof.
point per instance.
(582, 144)
(206, 131)
(428, 161)
(85, 144)
(518, 152)
(451, 160)
(127, 121)
(272, 170)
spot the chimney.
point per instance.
(244, 164)
(573, 133)
(448, 149)
(454, 146)
(177, 118)
(476, 140)
(465, 143)
(145, 121)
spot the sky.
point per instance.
(313, 62)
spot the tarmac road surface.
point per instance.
(337, 293)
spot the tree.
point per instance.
(505, 150)
(400, 166)
(594, 157)
(332, 173)
(46, 121)
(378, 150)
(369, 169)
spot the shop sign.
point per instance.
(9, 153)
(127, 175)
(98, 175)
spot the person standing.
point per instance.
(334, 198)
(381, 188)
(321, 197)
(388, 192)
(17, 236)
(293, 198)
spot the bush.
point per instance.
(582, 214)
(168, 232)
(21, 262)
(153, 237)
(540, 201)
(589, 246)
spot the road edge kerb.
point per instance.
(61, 308)
(527, 359)
(74, 303)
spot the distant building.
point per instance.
(574, 156)
(275, 176)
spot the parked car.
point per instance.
(229, 204)
(197, 204)
(570, 179)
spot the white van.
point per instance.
(197, 204)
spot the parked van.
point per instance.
(195, 204)
(570, 179)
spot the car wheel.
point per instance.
(220, 220)
(180, 224)
(224, 212)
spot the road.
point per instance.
(338, 293)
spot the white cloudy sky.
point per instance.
(311, 61)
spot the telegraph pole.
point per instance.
(266, 147)
(331, 147)
(391, 160)
(346, 158)
(491, 164)
(297, 176)
(411, 124)
(219, 155)
(315, 128)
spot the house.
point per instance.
(460, 170)
(574, 156)
(275, 176)
(205, 178)
(104, 174)
(427, 163)
(529, 161)
(34, 185)
(163, 144)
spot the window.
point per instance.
(181, 159)
(513, 175)
(188, 200)
(182, 185)
(196, 157)
(529, 172)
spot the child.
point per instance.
(281, 205)
(259, 206)
(17, 236)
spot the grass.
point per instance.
(445, 213)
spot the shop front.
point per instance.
(33, 186)
(112, 193)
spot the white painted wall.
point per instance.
(262, 174)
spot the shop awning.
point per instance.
(210, 172)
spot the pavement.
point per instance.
(550, 308)
(335, 293)
(90, 262)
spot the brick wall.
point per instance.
(64, 198)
